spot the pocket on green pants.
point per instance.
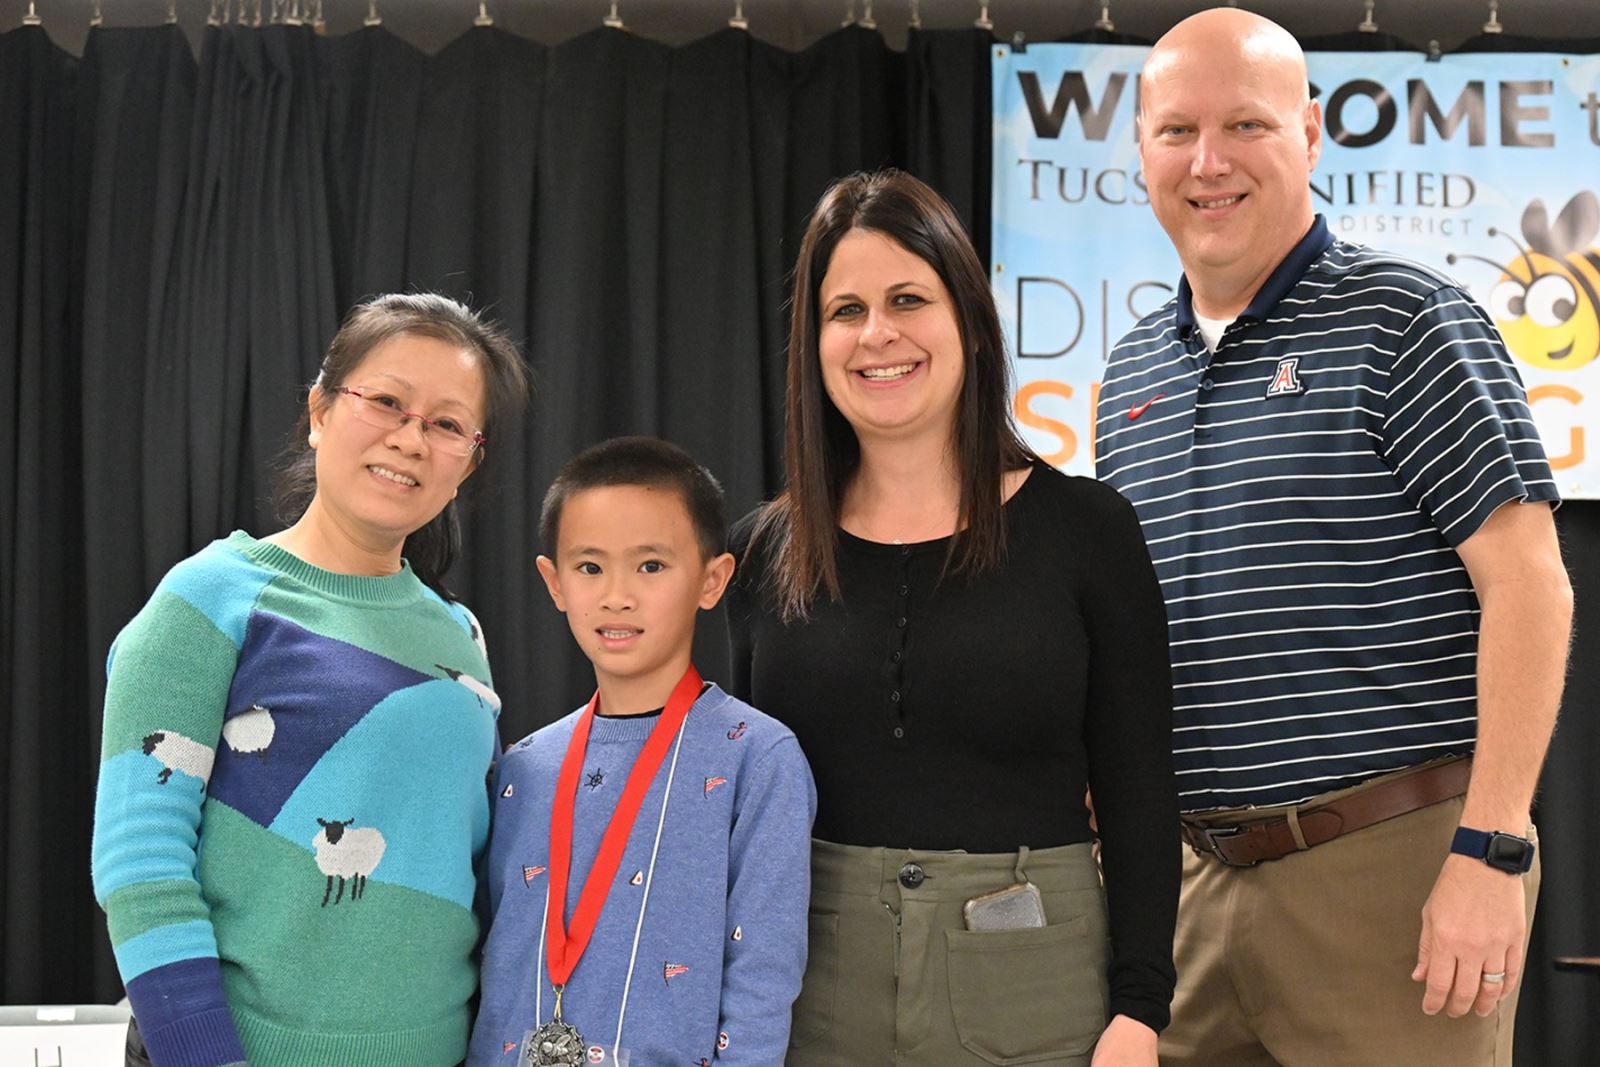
(1027, 996)
(813, 1008)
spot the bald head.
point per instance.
(1230, 43)
(1228, 135)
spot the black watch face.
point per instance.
(1509, 853)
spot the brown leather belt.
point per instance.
(1250, 843)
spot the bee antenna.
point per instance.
(1453, 256)
(1521, 248)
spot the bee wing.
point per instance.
(1536, 228)
(1577, 224)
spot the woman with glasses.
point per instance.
(298, 728)
(960, 637)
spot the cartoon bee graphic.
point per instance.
(1546, 301)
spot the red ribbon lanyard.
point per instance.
(563, 949)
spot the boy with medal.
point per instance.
(649, 867)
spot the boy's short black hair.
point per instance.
(648, 462)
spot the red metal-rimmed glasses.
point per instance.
(384, 411)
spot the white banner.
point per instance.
(1485, 167)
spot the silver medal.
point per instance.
(555, 1044)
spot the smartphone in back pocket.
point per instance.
(1016, 907)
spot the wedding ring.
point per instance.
(1494, 977)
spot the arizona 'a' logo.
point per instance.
(1286, 379)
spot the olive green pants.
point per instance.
(894, 976)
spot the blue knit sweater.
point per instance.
(290, 806)
(699, 951)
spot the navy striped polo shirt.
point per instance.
(1302, 492)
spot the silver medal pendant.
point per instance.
(555, 1044)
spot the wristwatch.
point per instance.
(1502, 851)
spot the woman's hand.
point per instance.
(1125, 1043)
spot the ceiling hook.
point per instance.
(1493, 25)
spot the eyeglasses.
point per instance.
(385, 412)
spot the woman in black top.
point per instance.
(963, 639)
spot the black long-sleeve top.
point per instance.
(970, 713)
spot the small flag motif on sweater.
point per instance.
(712, 783)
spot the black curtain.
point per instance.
(136, 101)
(1558, 1020)
(1358, 41)
(179, 239)
(49, 749)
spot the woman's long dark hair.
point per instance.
(432, 549)
(821, 453)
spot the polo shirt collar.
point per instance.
(1283, 278)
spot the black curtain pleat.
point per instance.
(50, 753)
(846, 113)
(596, 296)
(1358, 41)
(471, 234)
(178, 242)
(719, 339)
(256, 271)
(1517, 42)
(136, 100)
(374, 84)
(1095, 35)
(949, 88)
(1558, 1019)
(134, 132)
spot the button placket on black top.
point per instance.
(897, 642)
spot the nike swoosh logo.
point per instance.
(1139, 409)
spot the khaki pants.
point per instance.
(1306, 961)
(894, 977)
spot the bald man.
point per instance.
(1349, 509)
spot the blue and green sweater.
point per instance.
(291, 803)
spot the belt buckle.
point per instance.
(1210, 835)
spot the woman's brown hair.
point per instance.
(821, 452)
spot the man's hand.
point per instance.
(1125, 1043)
(1474, 923)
